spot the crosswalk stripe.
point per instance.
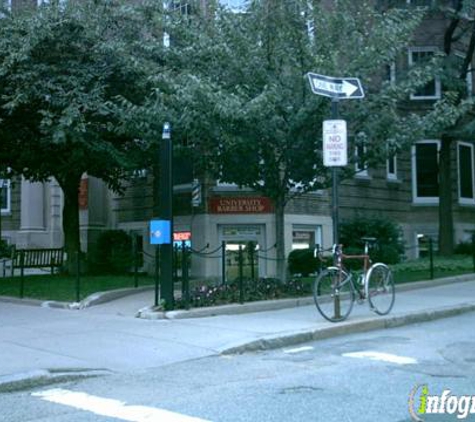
(384, 357)
(298, 350)
(112, 408)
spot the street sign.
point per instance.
(340, 88)
(160, 232)
(335, 145)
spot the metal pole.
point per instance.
(157, 276)
(223, 262)
(184, 276)
(136, 264)
(473, 251)
(78, 276)
(241, 276)
(22, 274)
(335, 216)
(166, 213)
(431, 258)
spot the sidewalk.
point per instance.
(39, 342)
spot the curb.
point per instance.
(151, 313)
(92, 300)
(347, 327)
(42, 377)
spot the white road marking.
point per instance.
(379, 356)
(112, 408)
(298, 350)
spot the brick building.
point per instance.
(403, 189)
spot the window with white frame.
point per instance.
(425, 172)
(236, 6)
(466, 173)
(306, 236)
(390, 73)
(391, 166)
(361, 169)
(432, 89)
(5, 196)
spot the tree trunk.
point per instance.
(280, 239)
(446, 219)
(70, 186)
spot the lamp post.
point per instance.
(166, 213)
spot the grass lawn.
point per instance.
(64, 288)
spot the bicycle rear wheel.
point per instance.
(333, 294)
(380, 289)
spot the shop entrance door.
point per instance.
(251, 239)
(249, 260)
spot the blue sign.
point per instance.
(160, 232)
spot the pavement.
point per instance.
(120, 332)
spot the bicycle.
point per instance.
(335, 288)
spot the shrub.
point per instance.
(5, 249)
(262, 289)
(389, 247)
(112, 253)
(303, 262)
(464, 248)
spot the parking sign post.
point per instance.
(335, 148)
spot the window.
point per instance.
(391, 167)
(361, 169)
(236, 6)
(305, 237)
(466, 174)
(182, 6)
(425, 172)
(431, 90)
(5, 196)
(390, 73)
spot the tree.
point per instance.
(452, 117)
(70, 77)
(241, 93)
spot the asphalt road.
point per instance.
(360, 377)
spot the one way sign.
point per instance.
(341, 88)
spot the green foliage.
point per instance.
(5, 249)
(72, 76)
(465, 248)
(389, 247)
(303, 262)
(241, 93)
(454, 264)
(112, 253)
(252, 290)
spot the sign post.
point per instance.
(160, 234)
(335, 146)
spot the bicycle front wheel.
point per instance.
(333, 294)
(380, 289)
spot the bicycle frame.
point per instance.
(339, 257)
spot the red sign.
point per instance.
(240, 205)
(181, 236)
